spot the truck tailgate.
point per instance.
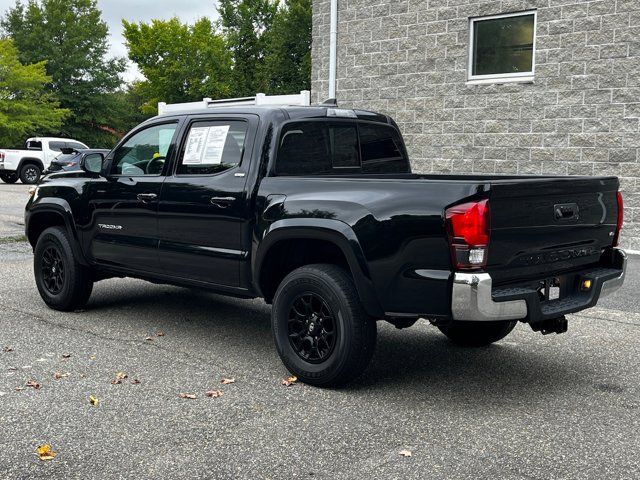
(540, 227)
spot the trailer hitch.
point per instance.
(552, 325)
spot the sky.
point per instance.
(141, 10)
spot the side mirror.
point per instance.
(92, 163)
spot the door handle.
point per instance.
(147, 197)
(222, 202)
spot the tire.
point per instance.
(9, 178)
(63, 283)
(477, 334)
(30, 174)
(333, 298)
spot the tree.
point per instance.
(26, 109)
(287, 66)
(71, 36)
(180, 62)
(245, 23)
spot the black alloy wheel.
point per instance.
(63, 282)
(53, 270)
(322, 332)
(312, 328)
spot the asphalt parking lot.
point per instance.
(534, 407)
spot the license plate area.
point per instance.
(549, 289)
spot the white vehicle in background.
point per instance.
(27, 165)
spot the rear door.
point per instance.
(123, 230)
(548, 225)
(203, 208)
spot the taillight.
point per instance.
(616, 238)
(1, 156)
(468, 228)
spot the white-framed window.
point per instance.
(502, 48)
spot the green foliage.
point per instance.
(245, 24)
(71, 36)
(26, 109)
(180, 62)
(287, 66)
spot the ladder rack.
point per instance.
(303, 99)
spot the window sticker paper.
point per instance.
(214, 145)
(195, 146)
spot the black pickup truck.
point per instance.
(315, 209)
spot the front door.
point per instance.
(123, 228)
(203, 205)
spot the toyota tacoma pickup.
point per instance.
(315, 210)
(27, 165)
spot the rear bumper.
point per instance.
(474, 298)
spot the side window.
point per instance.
(76, 145)
(382, 149)
(145, 152)
(212, 147)
(316, 148)
(57, 146)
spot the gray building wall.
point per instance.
(580, 116)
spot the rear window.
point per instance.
(382, 149)
(335, 148)
(34, 145)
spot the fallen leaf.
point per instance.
(149, 339)
(135, 381)
(92, 357)
(160, 334)
(45, 452)
(405, 453)
(94, 401)
(190, 396)
(59, 375)
(120, 376)
(19, 389)
(215, 393)
(287, 382)
(227, 381)
(33, 384)
(7, 349)
(66, 355)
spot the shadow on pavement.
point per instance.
(418, 359)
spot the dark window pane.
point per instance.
(382, 150)
(57, 146)
(503, 45)
(212, 147)
(75, 145)
(304, 149)
(34, 145)
(344, 146)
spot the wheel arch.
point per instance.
(292, 243)
(30, 161)
(53, 212)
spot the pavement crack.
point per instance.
(47, 321)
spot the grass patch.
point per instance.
(17, 239)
